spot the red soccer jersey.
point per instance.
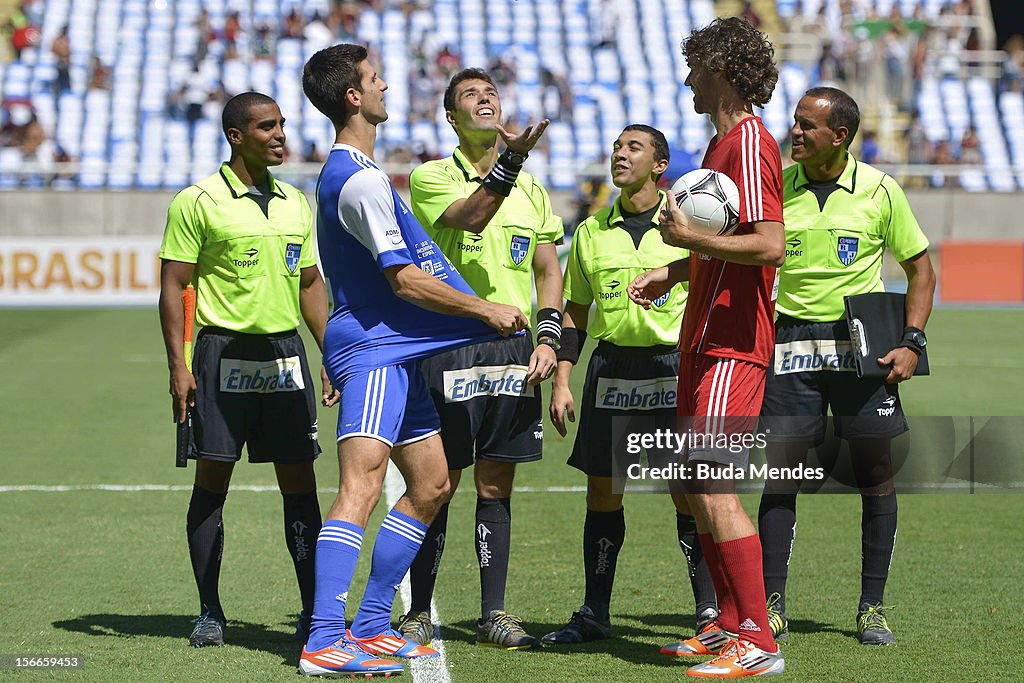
(730, 309)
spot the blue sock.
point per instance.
(397, 543)
(337, 550)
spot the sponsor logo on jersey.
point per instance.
(847, 250)
(636, 394)
(519, 248)
(661, 300)
(260, 376)
(485, 380)
(250, 259)
(794, 246)
(475, 247)
(812, 355)
(394, 236)
(613, 291)
(291, 256)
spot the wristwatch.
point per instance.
(550, 341)
(518, 158)
(914, 339)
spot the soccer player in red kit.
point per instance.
(728, 333)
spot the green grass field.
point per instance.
(105, 574)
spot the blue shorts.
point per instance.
(391, 404)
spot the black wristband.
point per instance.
(573, 340)
(549, 323)
(502, 177)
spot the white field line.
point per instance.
(433, 670)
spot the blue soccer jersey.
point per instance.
(363, 227)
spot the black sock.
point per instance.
(423, 571)
(878, 537)
(301, 529)
(493, 538)
(603, 535)
(776, 526)
(204, 525)
(697, 567)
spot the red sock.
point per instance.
(741, 563)
(727, 615)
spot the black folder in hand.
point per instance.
(876, 327)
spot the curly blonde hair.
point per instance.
(745, 55)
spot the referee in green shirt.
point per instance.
(494, 223)
(841, 215)
(632, 373)
(243, 239)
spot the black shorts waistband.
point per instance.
(243, 335)
(609, 349)
(793, 329)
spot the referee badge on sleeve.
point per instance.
(519, 248)
(846, 249)
(291, 256)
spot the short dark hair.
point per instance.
(472, 74)
(842, 112)
(658, 141)
(327, 77)
(237, 110)
(745, 54)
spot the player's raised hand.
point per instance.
(649, 286)
(903, 362)
(526, 140)
(505, 319)
(542, 364)
(561, 407)
(183, 392)
(331, 396)
(674, 227)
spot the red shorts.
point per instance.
(715, 388)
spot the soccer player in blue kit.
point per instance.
(397, 299)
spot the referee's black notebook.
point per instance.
(876, 327)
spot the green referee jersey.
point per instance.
(496, 262)
(837, 251)
(603, 261)
(247, 263)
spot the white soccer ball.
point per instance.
(710, 201)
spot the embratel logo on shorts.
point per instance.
(636, 394)
(813, 355)
(485, 380)
(260, 376)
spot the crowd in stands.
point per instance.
(885, 59)
(878, 59)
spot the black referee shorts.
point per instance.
(485, 405)
(813, 372)
(256, 390)
(636, 383)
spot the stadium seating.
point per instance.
(620, 58)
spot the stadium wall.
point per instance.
(101, 247)
(943, 214)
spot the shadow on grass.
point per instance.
(628, 643)
(239, 633)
